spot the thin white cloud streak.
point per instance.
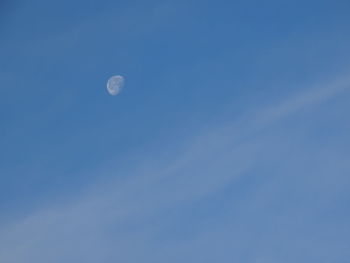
(311, 97)
(252, 123)
(114, 220)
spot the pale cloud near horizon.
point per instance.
(126, 219)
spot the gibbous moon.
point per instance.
(115, 84)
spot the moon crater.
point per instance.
(115, 84)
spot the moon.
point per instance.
(115, 84)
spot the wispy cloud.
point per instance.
(127, 220)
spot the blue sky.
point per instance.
(229, 143)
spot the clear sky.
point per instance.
(229, 143)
